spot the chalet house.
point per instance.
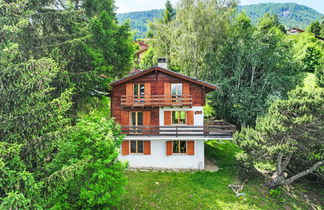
(162, 116)
(143, 47)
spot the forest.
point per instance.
(59, 146)
(290, 15)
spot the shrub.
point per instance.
(86, 172)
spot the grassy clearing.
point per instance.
(206, 190)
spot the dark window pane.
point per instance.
(174, 118)
(140, 118)
(140, 146)
(182, 146)
(141, 89)
(136, 89)
(133, 146)
(175, 146)
(133, 118)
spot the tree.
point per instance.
(315, 28)
(169, 13)
(289, 136)
(84, 39)
(312, 58)
(253, 68)
(86, 173)
(31, 118)
(268, 22)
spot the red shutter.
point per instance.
(190, 117)
(167, 92)
(147, 147)
(125, 148)
(190, 148)
(169, 148)
(186, 89)
(167, 117)
(147, 92)
(129, 93)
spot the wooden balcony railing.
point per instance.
(156, 100)
(211, 131)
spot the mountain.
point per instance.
(290, 15)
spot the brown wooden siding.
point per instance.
(154, 83)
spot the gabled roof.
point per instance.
(166, 71)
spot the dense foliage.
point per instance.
(251, 64)
(290, 136)
(289, 14)
(54, 54)
(85, 172)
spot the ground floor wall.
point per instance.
(158, 157)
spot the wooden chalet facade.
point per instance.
(161, 114)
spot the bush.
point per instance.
(86, 172)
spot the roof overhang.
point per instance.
(166, 71)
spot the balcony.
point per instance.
(156, 100)
(219, 130)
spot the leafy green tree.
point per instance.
(254, 68)
(86, 173)
(312, 58)
(289, 136)
(268, 22)
(315, 28)
(169, 13)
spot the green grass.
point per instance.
(204, 190)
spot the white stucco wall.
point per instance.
(159, 159)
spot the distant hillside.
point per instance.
(290, 14)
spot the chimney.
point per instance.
(163, 63)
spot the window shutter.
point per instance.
(129, 89)
(129, 93)
(190, 117)
(147, 120)
(169, 148)
(186, 89)
(190, 147)
(167, 92)
(167, 117)
(147, 93)
(125, 148)
(124, 119)
(147, 147)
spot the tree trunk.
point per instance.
(280, 179)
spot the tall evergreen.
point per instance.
(30, 117)
(169, 12)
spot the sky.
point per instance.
(141, 5)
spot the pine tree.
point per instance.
(169, 13)
(30, 117)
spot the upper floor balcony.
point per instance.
(155, 100)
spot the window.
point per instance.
(137, 146)
(138, 89)
(138, 92)
(179, 147)
(136, 118)
(178, 117)
(176, 91)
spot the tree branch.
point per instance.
(286, 162)
(303, 173)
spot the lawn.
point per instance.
(209, 190)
